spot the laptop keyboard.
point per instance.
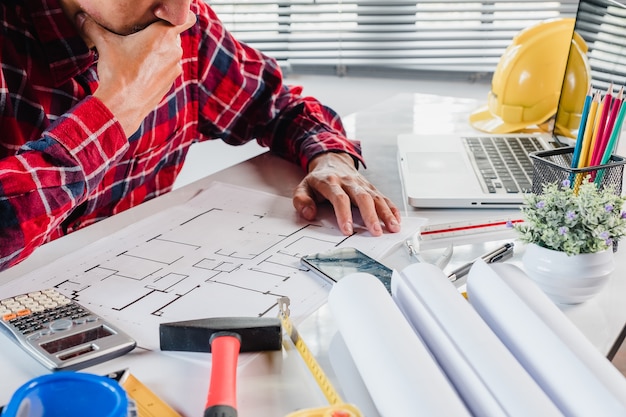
(502, 164)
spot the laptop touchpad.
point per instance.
(435, 162)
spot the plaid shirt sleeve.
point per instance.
(47, 178)
(243, 97)
(66, 163)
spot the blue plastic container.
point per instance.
(68, 394)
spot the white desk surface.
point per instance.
(275, 384)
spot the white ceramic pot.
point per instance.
(568, 279)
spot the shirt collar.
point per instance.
(66, 52)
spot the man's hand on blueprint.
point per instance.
(334, 177)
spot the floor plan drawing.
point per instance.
(227, 252)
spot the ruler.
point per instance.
(470, 231)
(148, 404)
(438, 231)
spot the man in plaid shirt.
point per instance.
(101, 99)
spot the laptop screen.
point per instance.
(600, 28)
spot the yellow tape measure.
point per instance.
(337, 407)
(147, 402)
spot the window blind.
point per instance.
(384, 35)
(602, 23)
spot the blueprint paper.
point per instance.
(567, 379)
(553, 317)
(229, 251)
(399, 372)
(487, 376)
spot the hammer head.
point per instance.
(257, 333)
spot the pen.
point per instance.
(503, 252)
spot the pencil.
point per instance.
(589, 129)
(612, 142)
(604, 130)
(581, 132)
(601, 116)
(602, 148)
(584, 149)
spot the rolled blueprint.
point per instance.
(563, 327)
(399, 372)
(567, 379)
(486, 375)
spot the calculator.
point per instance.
(60, 333)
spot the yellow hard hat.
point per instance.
(575, 87)
(527, 82)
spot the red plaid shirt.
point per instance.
(65, 162)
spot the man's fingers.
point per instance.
(362, 198)
(334, 177)
(303, 202)
(387, 212)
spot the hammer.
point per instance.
(224, 338)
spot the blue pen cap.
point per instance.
(68, 394)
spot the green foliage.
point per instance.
(585, 222)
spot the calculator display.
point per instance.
(76, 339)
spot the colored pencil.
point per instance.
(581, 132)
(613, 139)
(606, 128)
(602, 117)
(589, 129)
(601, 148)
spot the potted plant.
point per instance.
(571, 233)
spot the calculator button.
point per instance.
(9, 316)
(60, 325)
(23, 312)
(35, 336)
(28, 330)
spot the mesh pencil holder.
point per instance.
(554, 166)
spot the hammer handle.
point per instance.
(222, 396)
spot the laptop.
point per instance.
(440, 171)
(449, 171)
